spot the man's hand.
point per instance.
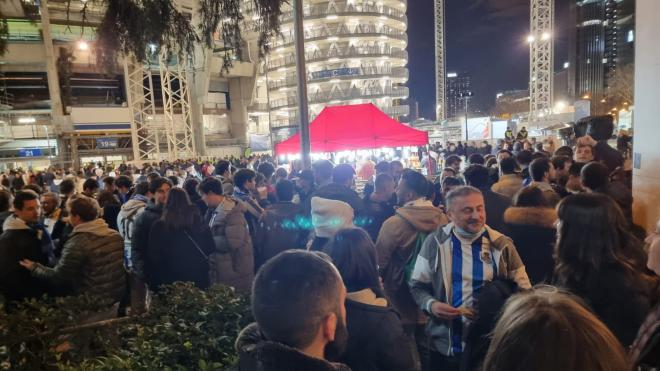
(28, 264)
(444, 311)
(586, 140)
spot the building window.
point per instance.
(631, 36)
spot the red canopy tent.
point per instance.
(360, 126)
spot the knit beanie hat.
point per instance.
(329, 216)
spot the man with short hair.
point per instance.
(223, 170)
(159, 188)
(322, 172)
(562, 165)
(379, 205)
(233, 262)
(52, 215)
(496, 204)
(20, 240)
(279, 228)
(298, 304)
(90, 187)
(454, 162)
(91, 261)
(454, 263)
(584, 153)
(509, 182)
(595, 178)
(396, 243)
(543, 172)
(124, 185)
(396, 168)
(341, 188)
(524, 158)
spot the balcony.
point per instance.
(343, 8)
(344, 74)
(341, 31)
(339, 53)
(321, 97)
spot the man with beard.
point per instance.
(298, 303)
(455, 262)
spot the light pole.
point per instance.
(301, 71)
(466, 97)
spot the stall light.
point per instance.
(83, 45)
(27, 120)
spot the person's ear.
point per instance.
(329, 327)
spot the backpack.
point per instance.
(410, 264)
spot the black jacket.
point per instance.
(110, 213)
(489, 301)
(375, 214)
(496, 204)
(175, 255)
(140, 240)
(608, 155)
(376, 340)
(258, 354)
(20, 242)
(280, 229)
(339, 192)
(533, 233)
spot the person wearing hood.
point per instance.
(298, 303)
(91, 261)
(454, 263)
(232, 261)
(328, 217)
(128, 215)
(531, 224)
(396, 244)
(280, 228)
(21, 241)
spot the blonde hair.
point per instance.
(548, 330)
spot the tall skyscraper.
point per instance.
(458, 84)
(604, 42)
(355, 53)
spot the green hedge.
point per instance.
(185, 329)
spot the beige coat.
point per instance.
(395, 244)
(508, 185)
(232, 263)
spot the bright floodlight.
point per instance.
(530, 39)
(560, 106)
(83, 45)
(27, 120)
(545, 36)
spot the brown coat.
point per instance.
(232, 263)
(395, 243)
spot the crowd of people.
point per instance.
(510, 258)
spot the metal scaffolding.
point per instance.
(541, 58)
(145, 128)
(440, 69)
(176, 106)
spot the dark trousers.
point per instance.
(442, 362)
(420, 343)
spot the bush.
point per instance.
(185, 329)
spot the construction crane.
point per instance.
(541, 59)
(440, 70)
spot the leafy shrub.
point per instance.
(185, 329)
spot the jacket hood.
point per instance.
(534, 216)
(270, 355)
(14, 223)
(131, 206)
(97, 227)
(425, 218)
(329, 216)
(367, 296)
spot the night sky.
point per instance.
(485, 38)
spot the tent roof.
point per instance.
(360, 126)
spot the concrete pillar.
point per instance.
(646, 158)
(57, 113)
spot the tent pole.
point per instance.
(301, 72)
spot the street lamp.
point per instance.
(531, 39)
(466, 95)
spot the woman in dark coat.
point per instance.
(376, 340)
(179, 244)
(110, 207)
(601, 262)
(531, 224)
